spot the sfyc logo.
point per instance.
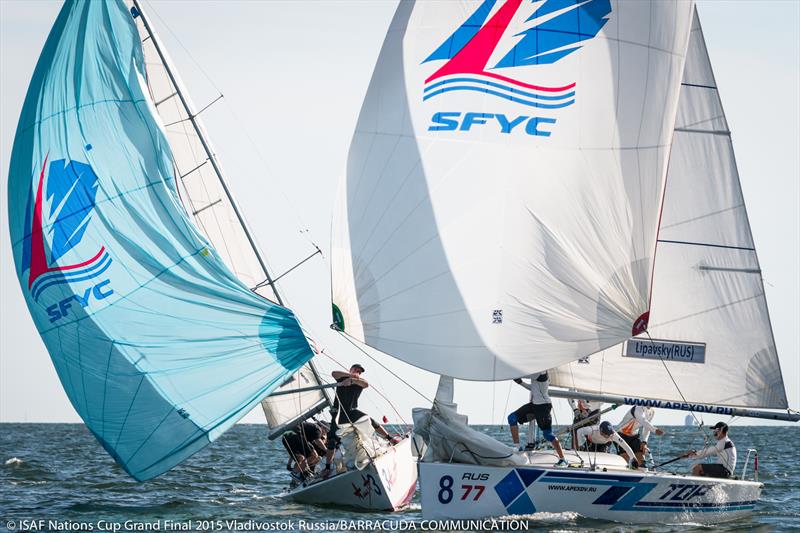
(485, 56)
(59, 219)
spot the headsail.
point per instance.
(504, 182)
(709, 317)
(207, 199)
(159, 347)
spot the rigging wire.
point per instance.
(671, 377)
(359, 348)
(329, 356)
(304, 231)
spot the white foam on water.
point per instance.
(567, 516)
(14, 461)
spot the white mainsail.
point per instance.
(707, 287)
(203, 193)
(503, 188)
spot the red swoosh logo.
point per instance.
(38, 258)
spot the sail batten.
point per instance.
(159, 346)
(207, 197)
(709, 317)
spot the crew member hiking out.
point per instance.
(725, 453)
(635, 429)
(539, 408)
(349, 386)
(305, 443)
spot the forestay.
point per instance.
(503, 187)
(206, 197)
(159, 347)
(709, 317)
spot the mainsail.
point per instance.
(504, 182)
(159, 346)
(207, 199)
(709, 320)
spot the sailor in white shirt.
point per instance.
(725, 453)
(635, 429)
(581, 410)
(600, 435)
(538, 408)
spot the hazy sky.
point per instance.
(294, 75)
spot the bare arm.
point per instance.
(338, 374)
(519, 381)
(361, 382)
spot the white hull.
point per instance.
(386, 484)
(629, 496)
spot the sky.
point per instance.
(294, 74)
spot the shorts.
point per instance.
(540, 412)
(347, 416)
(633, 441)
(715, 470)
(296, 445)
(592, 447)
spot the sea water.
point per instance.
(58, 477)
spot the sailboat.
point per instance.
(146, 284)
(550, 185)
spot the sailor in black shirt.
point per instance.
(345, 410)
(305, 443)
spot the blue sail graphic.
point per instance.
(159, 347)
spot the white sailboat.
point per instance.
(387, 481)
(532, 183)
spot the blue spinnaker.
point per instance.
(159, 347)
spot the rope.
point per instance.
(409, 385)
(305, 232)
(329, 356)
(664, 363)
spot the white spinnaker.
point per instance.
(437, 230)
(203, 196)
(707, 286)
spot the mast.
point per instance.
(206, 147)
(212, 159)
(706, 408)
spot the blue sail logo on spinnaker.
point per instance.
(184, 348)
(556, 28)
(71, 190)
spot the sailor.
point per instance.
(539, 407)
(581, 410)
(305, 442)
(635, 429)
(596, 438)
(724, 450)
(349, 386)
